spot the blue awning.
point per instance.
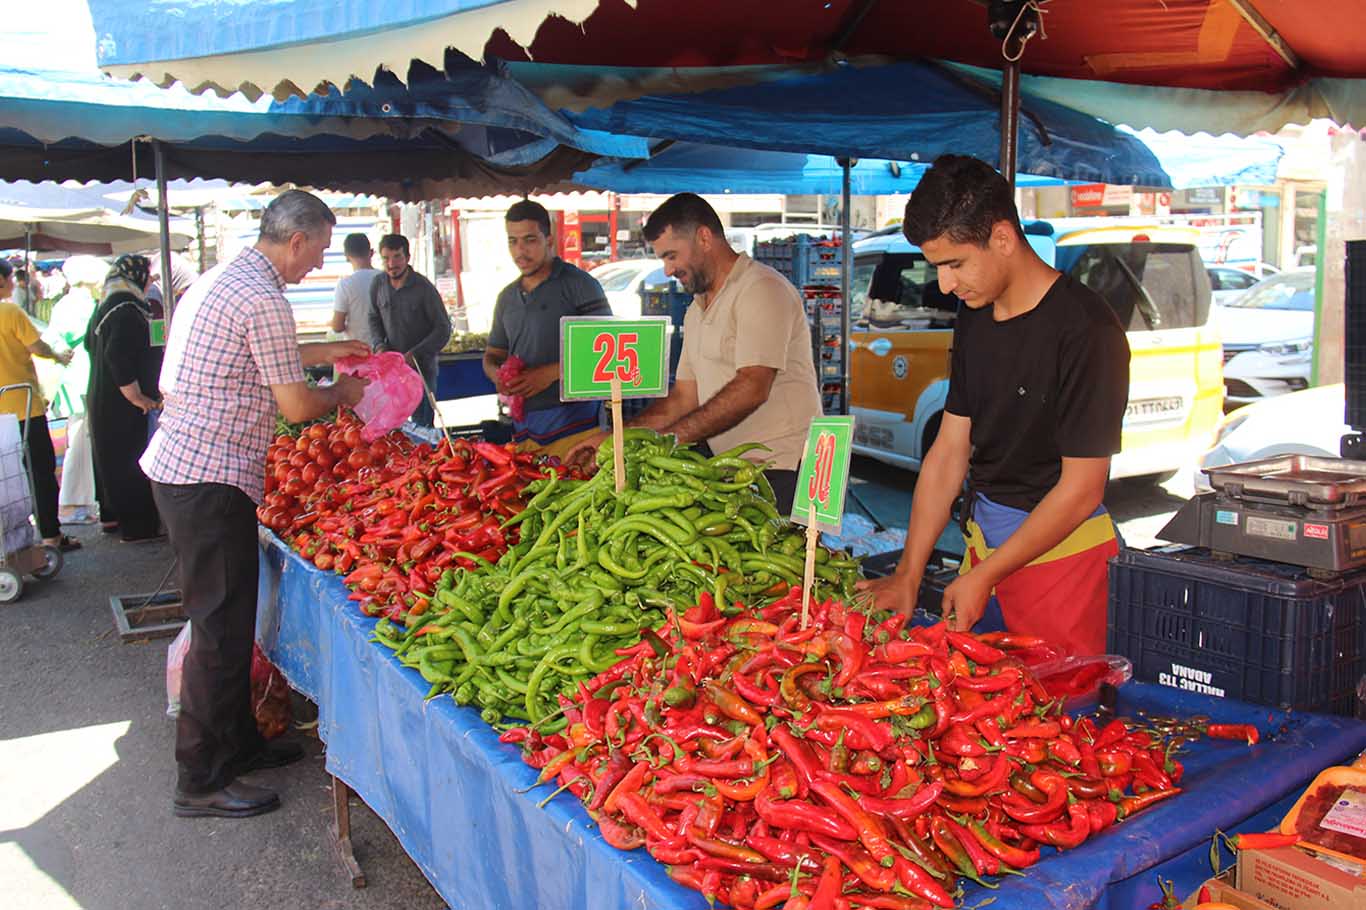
(914, 111)
(700, 168)
(1205, 160)
(466, 132)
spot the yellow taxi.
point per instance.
(1153, 277)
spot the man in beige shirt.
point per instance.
(746, 373)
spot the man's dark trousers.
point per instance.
(212, 527)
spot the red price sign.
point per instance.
(617, 358)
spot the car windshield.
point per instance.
(617, 279)
(1293, 291)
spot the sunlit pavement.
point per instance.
(87, 771)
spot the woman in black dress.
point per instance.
(123, 389)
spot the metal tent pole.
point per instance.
(164, 221)
(29, 303)
(1010, 120)
(846, 283)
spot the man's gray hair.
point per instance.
(293, 211)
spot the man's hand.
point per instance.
(64, 358)
(965, 600)
(586, 452)
(352, 348)
(350, 389)
(897, 592)
(533, 380)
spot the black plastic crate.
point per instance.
(1243, 628)
(941, 570)
(1354, 336)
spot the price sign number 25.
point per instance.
(818, 487)
(617, 357)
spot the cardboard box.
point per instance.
(1290, 879)
(1221, 889)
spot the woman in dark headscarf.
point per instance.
(123, 389)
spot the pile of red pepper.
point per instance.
(849, 764)
(393, 516)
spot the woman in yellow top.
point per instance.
(19, 342)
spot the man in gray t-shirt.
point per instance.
(526, 323)
(407, 315)
(351, 306)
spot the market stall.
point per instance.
(579, 586)
(443, 783)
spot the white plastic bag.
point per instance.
(175, 662)
(78, 471)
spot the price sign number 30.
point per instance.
(818, 487)
(617, 357)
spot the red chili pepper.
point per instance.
(1112, 733)
(869, 829)
(828, 888)
(862, 732)
(1247, 732)
(984, 861)
(904, 809)
(991, 780)
(1034, 729)
(979, 651)
(784, 853)
(1003, 680)
(1131, 804)
(1017, 857)
(801, 816)
(1263, 841)
(869, 870)
(1064, 837)
(1052, 784)
(1102, 814)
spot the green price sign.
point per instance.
(594, 350)
(158, 330)
(824, 473)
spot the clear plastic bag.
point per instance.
(1077, 679)
(391, 397)
(508, 371)
(175, 663)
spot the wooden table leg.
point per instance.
(341, 832)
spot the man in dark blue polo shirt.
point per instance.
(408, 316)
(526, 323)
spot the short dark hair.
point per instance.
(394, 242)
(683, 212)
(526, 210)
(20, 274)
(961, 198)
(356, 245)
(5, 269)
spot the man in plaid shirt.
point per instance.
(232, 359)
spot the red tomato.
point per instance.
(311, 473)
(358, 459)
(298, 459)
(325, 460)
(295, 487)
(282, 471)
(341, 470)
(352, 438)
(301, 444)
(316, 431)
(339, 450)
(323, 561)
(284, 440)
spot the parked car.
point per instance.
(1301, 423)
(1227, 283)
(622, 281)
(1268, 337)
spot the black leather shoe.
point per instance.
(274, 755)
(236, 800)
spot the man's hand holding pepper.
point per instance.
(965, 599)
(897, 592)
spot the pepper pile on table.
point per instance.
(851, 764)
(596, 569)
(394, 516)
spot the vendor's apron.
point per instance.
(555, 431)
(1060, 596)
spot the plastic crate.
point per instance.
(803, 260)
(1239, 628)
(1354, 336)
(667, 299)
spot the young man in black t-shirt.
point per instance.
(1038, 385)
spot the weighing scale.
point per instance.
(1294, 509)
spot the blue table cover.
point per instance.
(447, 788)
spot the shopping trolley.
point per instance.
(21, 553)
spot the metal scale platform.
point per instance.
(1294, 509)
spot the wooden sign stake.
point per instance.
(809, 576)
(618, 436)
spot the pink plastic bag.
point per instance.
(175, 665)
(391, 397)
(510, 370)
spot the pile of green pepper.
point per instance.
(596, 569)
